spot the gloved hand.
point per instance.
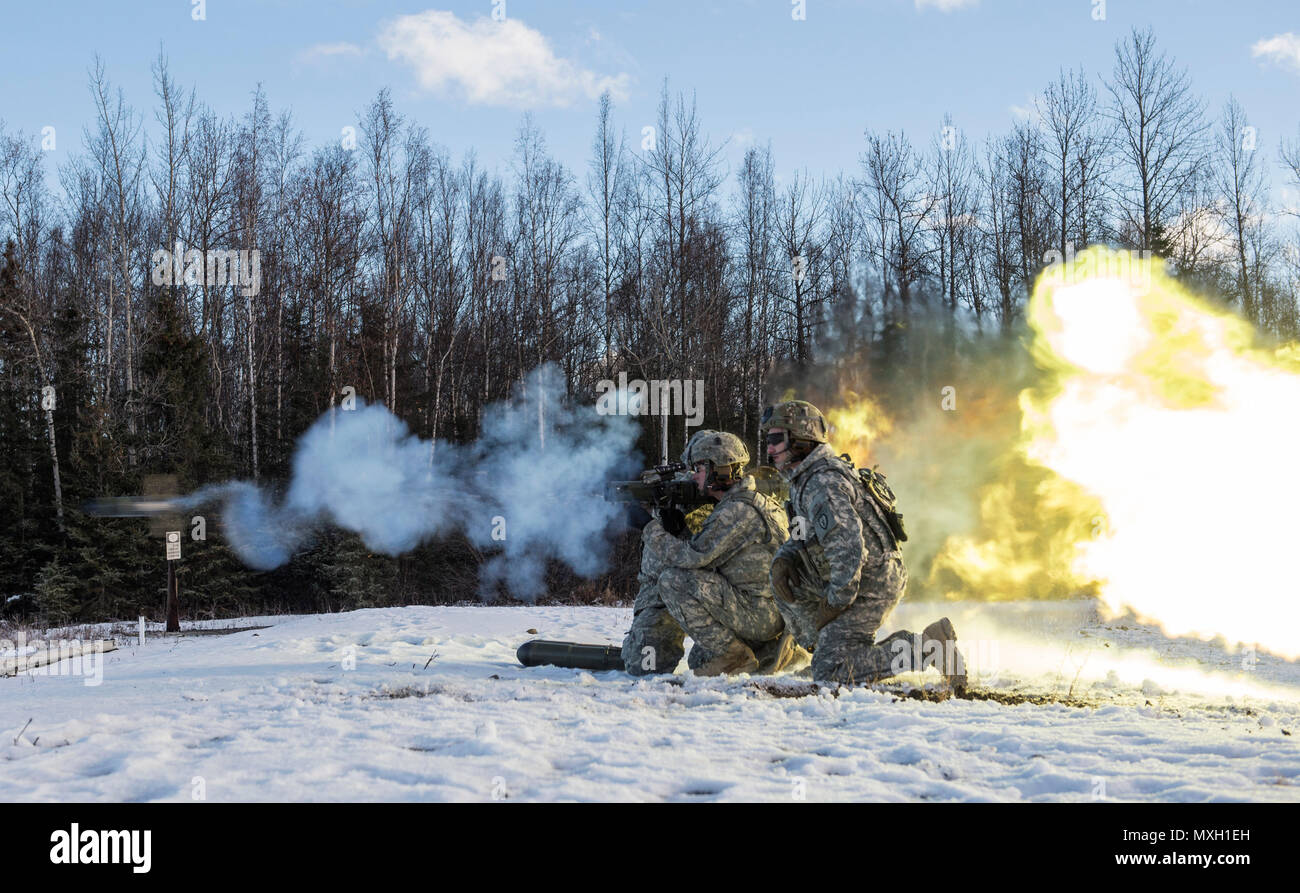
(637, 516)
(673, 519)
(782, 572)
(826, 612)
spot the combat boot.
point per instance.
(939, 650)
(776, 655)
(738, 658)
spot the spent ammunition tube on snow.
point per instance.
(542, 652)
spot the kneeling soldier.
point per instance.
(843, 572)
(715, 586)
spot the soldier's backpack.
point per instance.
(874, 485)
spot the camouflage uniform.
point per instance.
(653, 627)
(850, 561)
(714, 587)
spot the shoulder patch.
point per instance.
(823, 521)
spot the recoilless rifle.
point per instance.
(666, 486)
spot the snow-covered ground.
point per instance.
(352, 707)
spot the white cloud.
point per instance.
(490, 62)
(743, 138)
(1282, 49)
(945, 5)
(329, 50)
(1027, 112)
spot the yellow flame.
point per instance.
(1184, 436)
(1030, 519)
(1032, 522)
(856, 422)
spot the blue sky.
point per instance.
(811, 86)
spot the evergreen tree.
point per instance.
(57, 595)
(213, 581)
(357, 577)
(28, 534)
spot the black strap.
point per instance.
(856, 480)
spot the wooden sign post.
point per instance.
(173, 584)
(168, 527)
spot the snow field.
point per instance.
(342, 707)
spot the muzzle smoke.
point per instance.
(530, 487)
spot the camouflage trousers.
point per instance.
(676, 602)
(716, 614)
(845, 650)
(654, 644)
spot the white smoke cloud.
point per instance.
(530, 487)
(490, 62)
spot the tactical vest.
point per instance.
(751, 498)
(747, 568)
(878, 506)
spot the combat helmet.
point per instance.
(803, 420)
(725, 453)
(803, 423)
(698, 436)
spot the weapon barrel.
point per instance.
(541, 652)
(685, 494)
(661, 493)
(131, 507)
(631, 491)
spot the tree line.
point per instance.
(388, 269)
